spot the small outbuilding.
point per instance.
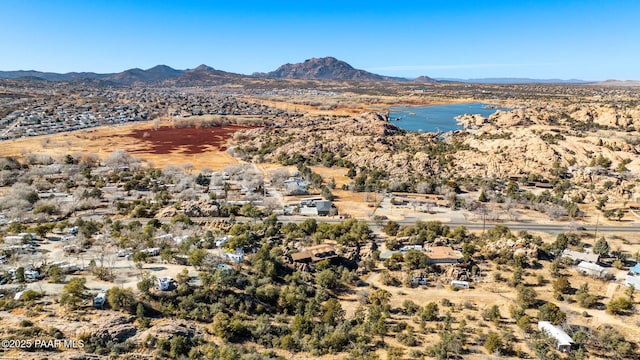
(563, 340)
(591, 269)
(460, 284)
(577, 256)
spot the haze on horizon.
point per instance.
(588, 40)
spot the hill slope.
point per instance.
(327, 68)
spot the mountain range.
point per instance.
(326, 68)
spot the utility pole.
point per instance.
(595, 234)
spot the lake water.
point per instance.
(436, 118)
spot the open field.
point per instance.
(157, 143)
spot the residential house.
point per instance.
(315, 206)
(315, 254)
(591, 269)
(577, 256)
(632, 280)
(236, 256)
(406, 248)
(633, 277)
(295, 186)
(152, 251)
(563, 340)
(223, 240)
(19, 239)
(443, 255)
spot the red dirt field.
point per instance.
(166, 140)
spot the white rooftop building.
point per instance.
(563, 340)
(591, 269)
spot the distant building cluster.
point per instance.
(67, 107)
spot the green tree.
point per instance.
(309, 226)
(561, 242)
(619, 305)
(391, 228)
(221, 326)
(140, 314)
(493, 342)
(140, 258)
(584, 297)
(197, 257)
(332, 312)
(430, 312)
(379, 297)
(250, 210)
(601, 247)
(562, 285)
(328, 279)
(492, 314)
(524, 323)
(552, 313)
(121, 299)
(20, 274)
(55, 274)
(147, 283)
(483, 197)
(74, 293)
(415, 259)
(179, 347)
(526, 296)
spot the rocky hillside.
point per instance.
(585, 144)
(327, 68)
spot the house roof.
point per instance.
(315, 253)
(635, 269)
(581, 256)
(632, 280)
(555, 332)
(324, 205)
(443, 253)
(590, 266)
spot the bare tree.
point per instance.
(188, 167)
(121, 159)
(279, 176)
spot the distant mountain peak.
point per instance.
(163, 69)
(325, 68)
(425, 79)
(203, 67)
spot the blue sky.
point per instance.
(590, 40)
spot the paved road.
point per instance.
(554, 228)
(514, 226)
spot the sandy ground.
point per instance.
(157, 147)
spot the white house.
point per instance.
(563, 340)
(591, 269)
(633, 277)
(152, 251)
(411, 247)
(223, 240)
(632, 280)
(236, 256)
(578, 256)
(295, 186)
(19, 239)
